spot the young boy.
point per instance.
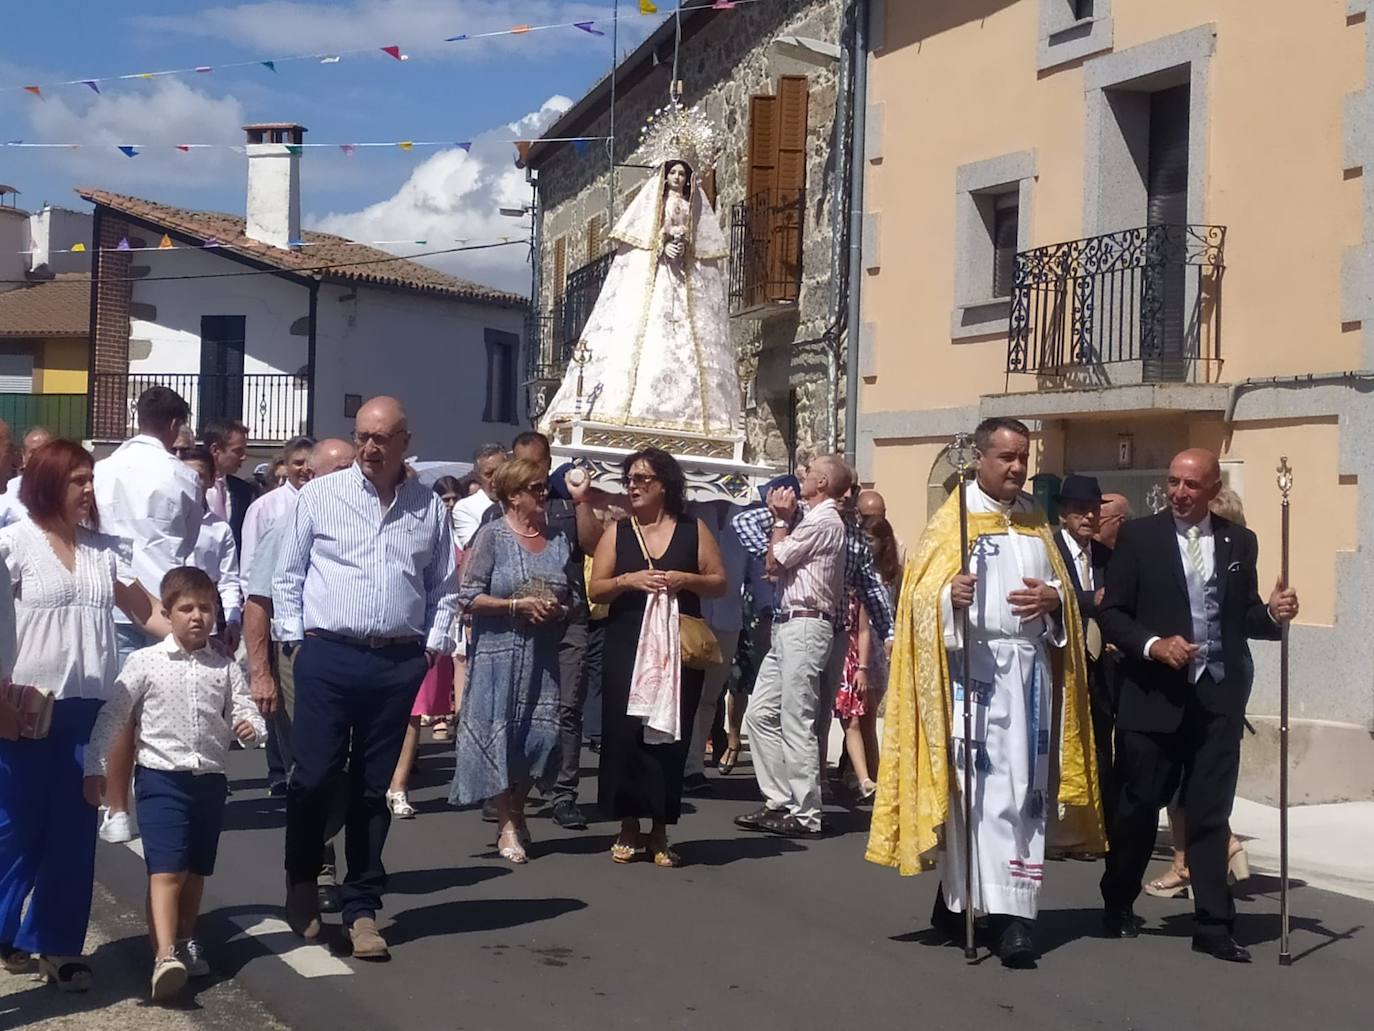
(215, 551)
(187, 701)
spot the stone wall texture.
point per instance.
(732, 59)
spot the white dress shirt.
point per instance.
(11, 508)
(467, 517)
(216, 555)
(351, 567)
(261, 516)
(1084, 569)
(184, 704)
(151, 502)
(812, 558)
(1197, 581)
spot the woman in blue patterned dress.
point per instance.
(516, 590)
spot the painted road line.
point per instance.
(306, 960)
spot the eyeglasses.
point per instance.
(380, 439)
(637, 480)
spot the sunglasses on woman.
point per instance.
(637, 480)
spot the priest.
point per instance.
(1031, 745)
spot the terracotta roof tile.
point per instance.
(59, 307)
(360, 264)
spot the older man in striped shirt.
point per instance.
(808, 562)
(367, 585)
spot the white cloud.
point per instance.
(455, 195)
(168, 113)
(421, 26)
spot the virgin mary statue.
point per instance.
(658, 338)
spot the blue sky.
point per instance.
(490, 91)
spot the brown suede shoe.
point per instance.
(368, 942)
(303, 910)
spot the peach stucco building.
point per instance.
(1140, 225)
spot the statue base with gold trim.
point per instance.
(714, 466)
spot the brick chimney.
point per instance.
(274, 182)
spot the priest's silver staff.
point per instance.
(960, 456)
(1285, 480)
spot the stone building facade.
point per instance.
(792, 376)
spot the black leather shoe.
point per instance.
(948, 923)
(327, 896)
(568, 815)
(787, 826)
(1222, 946)
(753, 821)
(1015, 948)
(1121, 923)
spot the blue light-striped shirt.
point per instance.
(350, 567)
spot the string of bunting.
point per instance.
(133, 150)
(166, 244)
(591, 27)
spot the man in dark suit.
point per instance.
(230, 497)
(1080, 502)
(1181, 599)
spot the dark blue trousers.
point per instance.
(352, 708)
(47, 835)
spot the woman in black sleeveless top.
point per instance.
(637, 780)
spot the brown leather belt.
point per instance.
(370, 643)
(789, 614)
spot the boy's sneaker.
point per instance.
(169, 977)
(192, 958)
(116, 828)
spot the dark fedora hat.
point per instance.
(1079, 488)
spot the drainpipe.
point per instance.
(858, 121)
(839, 181)
(1234, 391)
(310, 358)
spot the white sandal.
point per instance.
(400, 805)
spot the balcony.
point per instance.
(274, 406)
(574, 307)
(766, 253)
(1141, 306)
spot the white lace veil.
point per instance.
(642, 224)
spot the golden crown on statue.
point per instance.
(682, 133)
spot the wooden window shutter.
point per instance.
(560, 265)
(784, 257)
(596, 232)
(763, 144)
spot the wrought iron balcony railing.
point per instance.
(766, 253)
(1150, 296)
(574, 306)
(274, 406)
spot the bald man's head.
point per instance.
(382, 435)
(1194, 481)
(1115, 511)
(871, 505)
(33, 440)
(331, 455)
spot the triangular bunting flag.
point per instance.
(348, 149)
(294, 243)
(648, 7)
(271, 66)
(395, 52)
(330, 59)
(293, 148)
(165, 243)
(588, 26)
(147, 75)
(519, 30)
(185, 148)
(211, 242)
(406, 145)
(723, 5)
(522, 147)
(129, 152)
(455, 39)
(92, 84)
(465, 145)
(78, 248)
(204, 68)
(580, 146)
(123, 244)
(35, 91)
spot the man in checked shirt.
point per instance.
(754, 529)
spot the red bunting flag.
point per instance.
(723, 5)
(394, 52)
(35, 91)
(185, 148)
(348, 149)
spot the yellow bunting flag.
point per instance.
(519, 30)
(78, 248)
(406, 144)
(165, 243)
(648, 7)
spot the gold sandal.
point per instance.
(622, 853)
(1164, 888)
(667, 857)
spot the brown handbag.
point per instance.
(34, 706)
(700, 649)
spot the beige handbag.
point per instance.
(700, 649)
(34, 706)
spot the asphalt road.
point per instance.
(754, 932)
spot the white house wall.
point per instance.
(427, 351)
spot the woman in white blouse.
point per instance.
(63, 584)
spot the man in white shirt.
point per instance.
(808, 562)
(11, 508)
(263, 513)
(151, 502)
(468, 513)
(229, 497)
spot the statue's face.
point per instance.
(677, 176)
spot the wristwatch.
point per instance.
(780, 524)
